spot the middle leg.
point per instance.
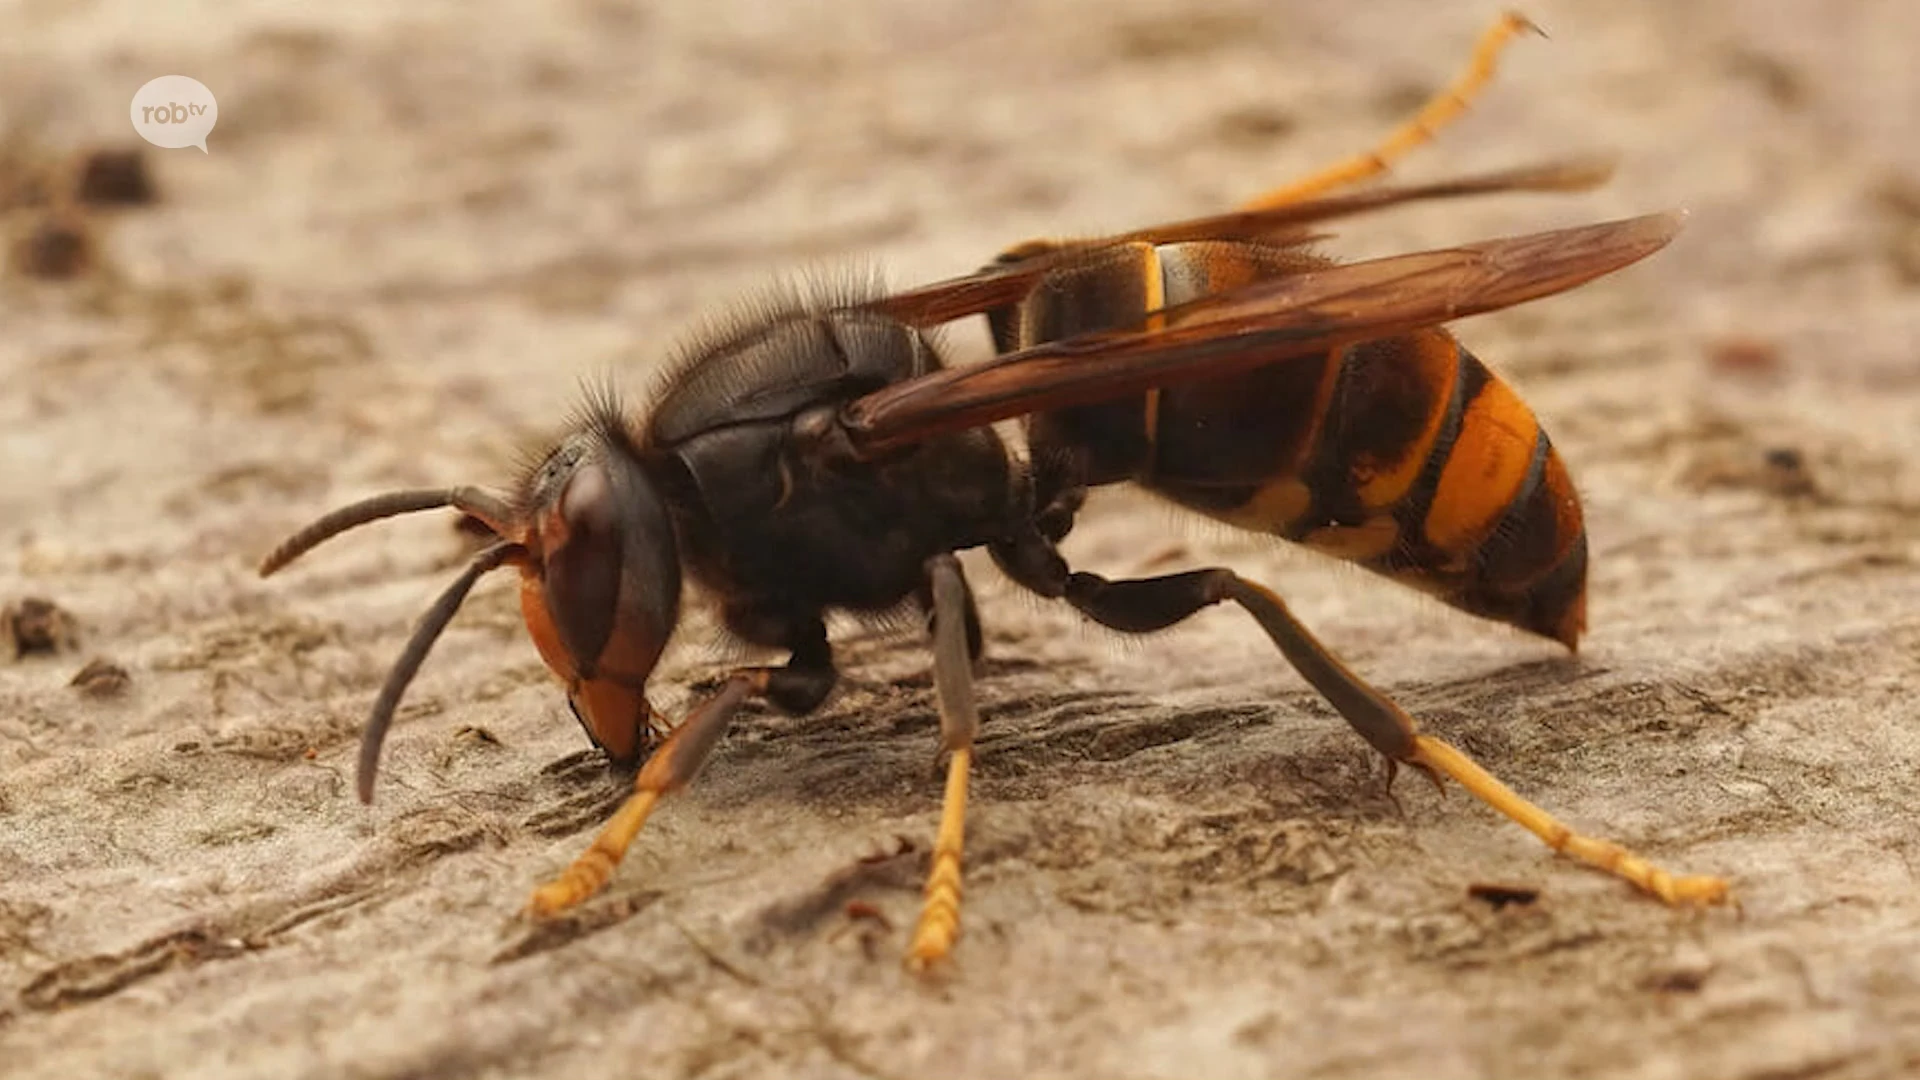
(955, 644)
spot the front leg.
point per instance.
(670, 768)
(799, 686)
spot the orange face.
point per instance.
(614, 711)
(599, 570)
(600, 591)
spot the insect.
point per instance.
(823, 458)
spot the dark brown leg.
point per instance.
(1152, 603)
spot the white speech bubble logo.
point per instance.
(175, 111)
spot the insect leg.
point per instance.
(1439, 110)
(670, 768)
(1152, 603)
(809, 675)
(952, 604)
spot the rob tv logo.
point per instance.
(170, 113)
(175, 111)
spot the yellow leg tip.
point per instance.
(926, 961)
(594, 868)
(933, 941)
(1442, 759)
(587, 876)
(1696, 891)
(569, 890)
(1513, 22)
(939, 925)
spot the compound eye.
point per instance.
(612, 710)
(603, 596)
(583, 548)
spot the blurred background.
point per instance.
(418, 228)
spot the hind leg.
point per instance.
(1153, 603)
(1143, 605)
(1439, 111)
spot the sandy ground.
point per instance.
(419, 227)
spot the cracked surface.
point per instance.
(413, 237)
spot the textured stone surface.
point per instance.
(419, 228)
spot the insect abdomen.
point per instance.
(1404, 455)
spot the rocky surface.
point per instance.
(418, 230)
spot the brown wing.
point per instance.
(1006, 283)
(1263, 323)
